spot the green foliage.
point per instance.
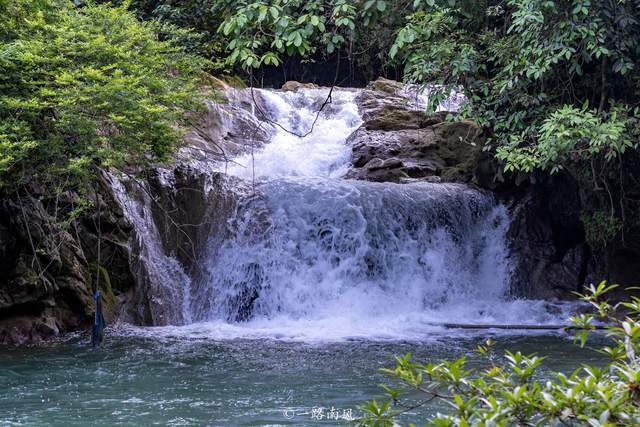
(520, 61)
(191, 24)
(262, 31)
(600, 227)
(86, 87)
(509, 393)
(265, 32)
(554, 83)
(565, 136)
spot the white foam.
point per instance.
(426, 326)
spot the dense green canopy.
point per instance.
(86, 86)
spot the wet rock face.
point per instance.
(439, 152)
(45, 277)
(48, 274)
(189, 205)
(398, 142)
(550, 256)
(226, 129)
(395, 156)
(188, 209)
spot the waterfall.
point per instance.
(309, 254)
(313, 248)
(161, 279)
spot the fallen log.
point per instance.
(512, 326)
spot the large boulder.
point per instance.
(398, 142)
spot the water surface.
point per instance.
(150, 380)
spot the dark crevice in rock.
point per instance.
(28, 309)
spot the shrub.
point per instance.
(86, 87)
(508, 393)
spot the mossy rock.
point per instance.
(392, 118)
(294, 86)
(109, 300)
(460, 146)
(385, 85)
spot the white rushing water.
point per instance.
(312, 256)
(163, 274)
(323, 153)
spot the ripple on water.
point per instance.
(140, 378)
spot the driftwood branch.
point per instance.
(514, 326)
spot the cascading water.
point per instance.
(163, 275)
(316, 248)
(310, 255)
